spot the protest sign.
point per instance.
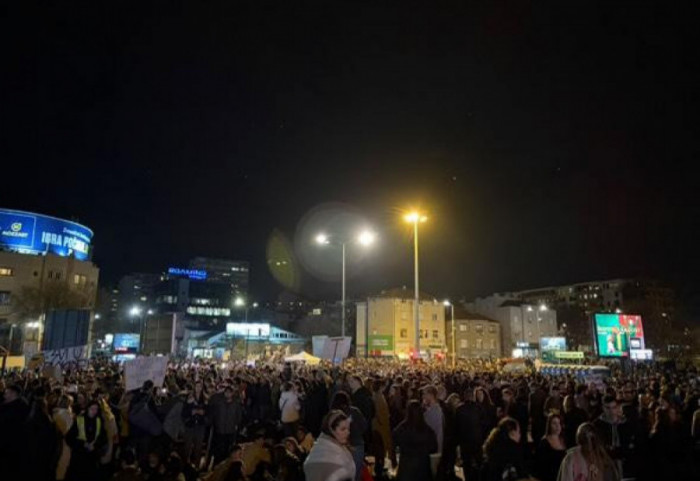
(142, 369)
(68, 355)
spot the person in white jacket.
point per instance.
(290, 408)
(330, 459)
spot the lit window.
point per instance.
(493, 344)
(479, 328)
(462, 327)
(4, 298)
(76, 279)
(463, 344)
(404, 333)
(5, 272)
(479, 343)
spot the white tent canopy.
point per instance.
(303, 356)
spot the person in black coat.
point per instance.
(503, 453)
(13, 413)
(574, 416)
(469, 434)
(317, 402)
(416, 442)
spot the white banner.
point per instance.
(143, 369)
(336, 348)
(68, 355)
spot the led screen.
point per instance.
(126, 343)
(614, 332)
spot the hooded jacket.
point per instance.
(289, 405)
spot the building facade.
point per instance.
(476, 336)
(385, 325)
(45, 263)
(234, 273)
(522, 324)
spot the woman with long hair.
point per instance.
(588, 461)
(330, 459)
(487, 411)
(416, 442)
(550, 450)
(503, 454)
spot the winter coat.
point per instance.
(329, 461)
(504, 462)
(381, 421)
(469, 431)
(110, 429)
(226, 416)
(415, 447)
(358, 426)
(574, 467)
(289, 406)
(362, 399)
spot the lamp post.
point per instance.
(365, 238)
(447, 303)
(416, 218)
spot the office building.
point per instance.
(234, 273)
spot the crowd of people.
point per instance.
(362, 420)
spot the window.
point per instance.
(479, 328)
(492, 329)
(58, 275)
(5, 272)
(479, 343)
(435, 334)
(493, 344)
(434, 317)
(463, 344)
(4, 298)
(462, 327)
(404, 315)
(404, 333)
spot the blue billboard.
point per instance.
(126, 343)
(29, 233)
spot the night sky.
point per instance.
(548, 143)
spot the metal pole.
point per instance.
(342, 300)
(454, 350)
(417, 295)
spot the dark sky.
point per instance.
(549, 143)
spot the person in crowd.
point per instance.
(330, 458)
(487, 411)
(362, 399)
(536, 401)
(86, 438)
(358, 427)
(317, 402)
(450, 442)
(433, 414)
(63, 420)
(382, 445)
(304, 439)
(614, 433)
(286, 466)
(226, 414)
(13, 413)
(290, 408)
(550, 450)
(574, 416)
(129, 469)
(503, 453)
(554, 403)
(695, 429)
(470, 433)
(154, 468)
(589, 460)
(416, 441)
(291, 445)
(174, 468)
(42, 441)
(194, 417)
(669, 446)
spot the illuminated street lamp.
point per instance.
(447, 303)
(365, 238)
(416, 218)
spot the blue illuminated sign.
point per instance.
(126, 343)
(193, 274)
(29, 233)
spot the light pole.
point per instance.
(447, 303)
(416, 218)
(365, 238)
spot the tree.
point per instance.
(30, 302)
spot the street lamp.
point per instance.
(447, 303)
(416, 218)
(365, 238)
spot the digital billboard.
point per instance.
(552, 344)
(615, 332)
(29, 233)
(126, 343)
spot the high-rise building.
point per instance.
(136, 290)
(234, 273)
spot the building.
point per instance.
(45, 263)
(576, 304)
(476, 336)
(522, 323)
(234, 273)
(385, 325)
(135, 289)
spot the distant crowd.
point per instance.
(362, 420)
